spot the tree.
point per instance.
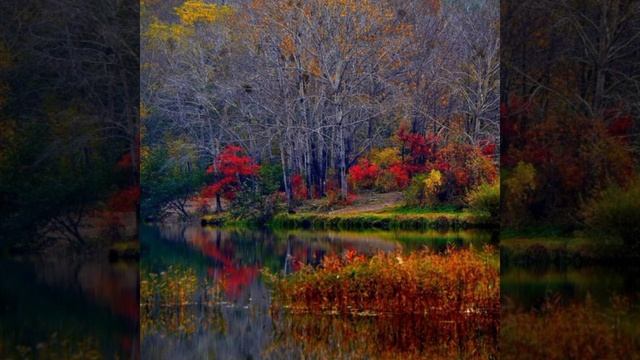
(168, 183)
(229, 170)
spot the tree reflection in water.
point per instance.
(208, 299)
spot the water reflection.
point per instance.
(203, 295)
(396, 337)
(570, 312)
(69, 308)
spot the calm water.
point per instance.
(589, 312)
(62, 308)
(237, 323)
(529, 288)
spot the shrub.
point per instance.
(414, 194)
(486, 198)
(573, 157)
(271, 177)
(616, 211)
(464, 167)
(334, 198)
(385, 157)
(519, 184)
(393, 178)
(432, 185)
(400, 174)
(298, 187)
(386, 182)
(424, 189)
(422, 150)
(363, 175)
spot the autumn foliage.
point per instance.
(298, 187)
(363, 174)
(457, 285)
(460, 167)
(571, 156)
(229, 169)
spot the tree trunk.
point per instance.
(287, 188)
(218, 204)
(344, 191)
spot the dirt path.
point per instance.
(371, 203)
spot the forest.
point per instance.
(69, 98)
(267, 104)
(569, 110)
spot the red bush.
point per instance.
(298, 187)
(363, 174)
(401, 175)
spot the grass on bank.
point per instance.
(370, 211)
(382, 220)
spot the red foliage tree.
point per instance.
(464, 167)
(363, 174)
(400, 174)
(229, 168)
(422, 150)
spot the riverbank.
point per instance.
(561, 250)
(370, 211)
(365, 221)
(381, 221)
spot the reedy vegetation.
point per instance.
(461, 285)
(581, 330)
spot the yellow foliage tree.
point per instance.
(432, 185)
(195, 11)
(385, 157)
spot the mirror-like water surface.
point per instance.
(529, 288)
(217, 305)
(588, 312)
(64, 308)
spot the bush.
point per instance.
(464, 167)
(363, 175)
(616, 211)
(253, 205)
(486, 198)
(271, 178)
(424, 189)
(520, 185)
(386, 182)
(385, 157)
